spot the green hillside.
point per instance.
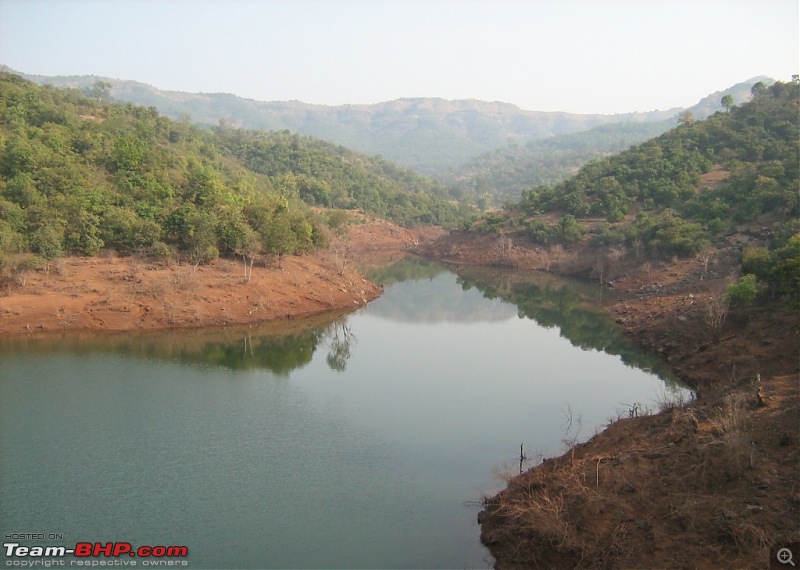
(501, 175)
(321, 173)
(81, 174)
(686, 189)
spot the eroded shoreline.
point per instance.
(128, 294)
(707, 484)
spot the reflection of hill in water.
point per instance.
(416, 292)
(437, 300)
(428, 295)
(277, 347)
(576, 308)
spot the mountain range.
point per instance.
(429, 135)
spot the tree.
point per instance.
(787, 269)
(779, 268)
(248, 246)
(47, 242)
(727, 102)
(10, 240)
(196, 233)
(685, 118)
(100, 90)
(758, 89)
(569, 230)
(743, 293)
(279, 238)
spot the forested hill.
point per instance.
(501, 175)
(80, 174)
(684, 190)
(426, 134)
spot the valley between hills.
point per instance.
(708, 483)
(114, 218)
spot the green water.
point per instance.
(352, 441)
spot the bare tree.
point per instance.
(506, 246)
(716, 313)
(704, 257)
(600, 266)
(342, 254)
(637, 246)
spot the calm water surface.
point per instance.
(357, 441)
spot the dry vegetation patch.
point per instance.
(647, 491)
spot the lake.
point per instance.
(346, 441)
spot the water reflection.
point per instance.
(576, 309)
(427, 296)
(341, 340)
(278, 348)
(407, 269)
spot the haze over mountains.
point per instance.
(429, 135)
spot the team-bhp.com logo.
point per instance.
(93, 550)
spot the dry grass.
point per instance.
(698, 475)
(730, 427)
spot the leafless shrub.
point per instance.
(21, 276)
(729, 450)
(670, 401)
(615, 257)
(572, 430)
(503, 473)
(342, 254)
(263, 303)
(168, 313)
(685, 419)
(542, 513)
(732, 419)
(715, 314)
(634, 410)
(637, 247)
(704, 257)
(61, 267)
(185, 279)
(134, 268)
(155, 289)
(742, 533)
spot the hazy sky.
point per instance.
(587, 56)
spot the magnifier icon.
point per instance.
(784, 556)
